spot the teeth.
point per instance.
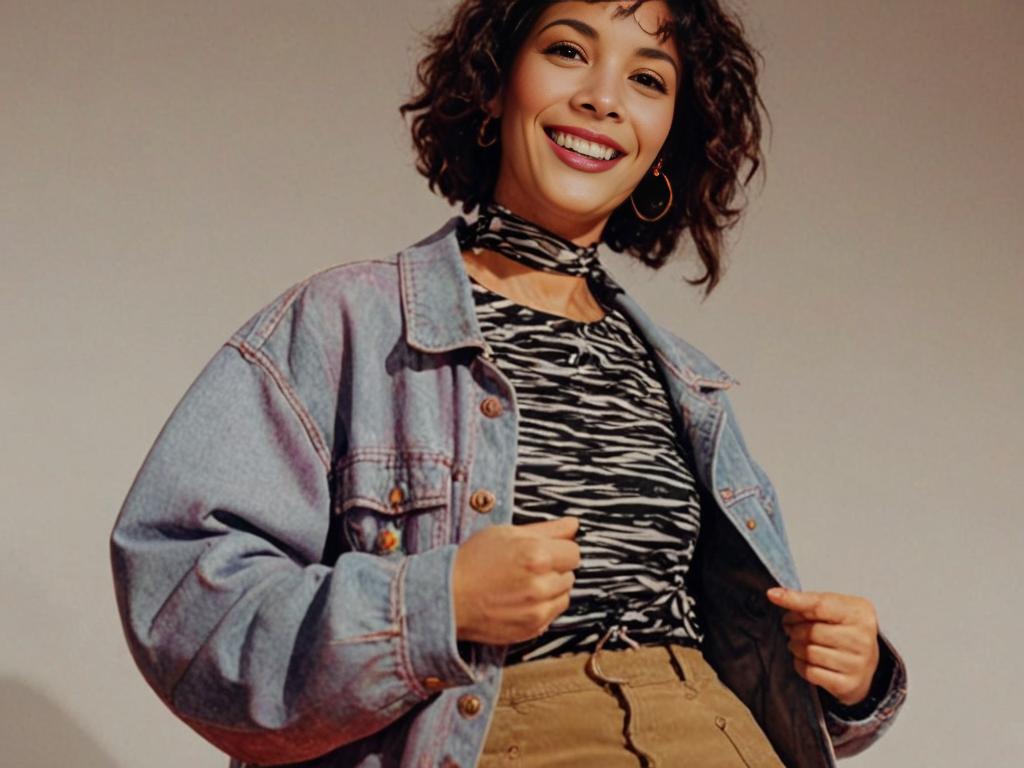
(588, 148)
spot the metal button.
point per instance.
(482, 501)
(469, 705)
(387, 540)
(751, 523)
(491, 406)
(720, 721)
(433, 683)
(396, 496)
(513, 751)
(726, 493)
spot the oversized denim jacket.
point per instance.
(255, 594)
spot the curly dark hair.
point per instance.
(714, 138)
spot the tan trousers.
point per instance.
(657, 706)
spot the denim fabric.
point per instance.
(283, 560)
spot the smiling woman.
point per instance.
(469, 504)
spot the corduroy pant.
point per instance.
(657, 706)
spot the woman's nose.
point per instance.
(600, 94)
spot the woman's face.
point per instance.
(583, 74)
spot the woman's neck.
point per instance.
(582, 231)
(557, 294)
(531, 263)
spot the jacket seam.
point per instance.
(259, 358)
(266, 330)
(269, 325)
(691, 379)
(399, 618)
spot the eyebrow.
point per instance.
(588, 31)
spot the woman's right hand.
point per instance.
(511, 581)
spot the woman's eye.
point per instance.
(651, 81)
(565, 50)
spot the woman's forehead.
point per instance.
(650, 15)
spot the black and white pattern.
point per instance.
(596, 440)
(496, 228)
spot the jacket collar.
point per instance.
(440, 314)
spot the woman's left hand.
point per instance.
(834, 640)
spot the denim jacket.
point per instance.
(283, 560)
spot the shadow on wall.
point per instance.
(36, 733)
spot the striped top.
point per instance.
(597, 441)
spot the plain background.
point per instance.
(167, 168)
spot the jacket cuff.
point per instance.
(880, 685)
(428, 643)
(854, 728)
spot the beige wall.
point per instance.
(168, 167)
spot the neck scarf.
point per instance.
(496, 228)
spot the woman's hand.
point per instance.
(511, 581)
(834, 639)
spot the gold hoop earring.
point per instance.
(656, 172)
(480, 133)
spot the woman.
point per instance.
(470, 505)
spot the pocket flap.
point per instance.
(393, 483)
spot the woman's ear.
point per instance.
(494, 106)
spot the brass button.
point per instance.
(751, 523)
(482, 501)
(387, 540)
(491, 407)
(513, 751)
(433, 683)
(727, 493)
(469, 705)
(396, 496)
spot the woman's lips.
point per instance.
(578, 161)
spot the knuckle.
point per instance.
(535, 558)
(538, 616)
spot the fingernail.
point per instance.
(776, 591)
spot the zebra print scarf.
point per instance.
(496, 228)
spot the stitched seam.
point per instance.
(409, 290)
(444, 718)
(743, 493)
(383, 634)
(271, 323)
(393, 456)
(689, 378)
(423, 502)
(400, 619)
(256, 356)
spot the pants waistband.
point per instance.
(645, 665)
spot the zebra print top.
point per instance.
(597, 441)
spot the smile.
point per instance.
(582, 146)
(583, 154)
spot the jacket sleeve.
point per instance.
(229, 614)
(854, 729)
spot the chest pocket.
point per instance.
(393, 502)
